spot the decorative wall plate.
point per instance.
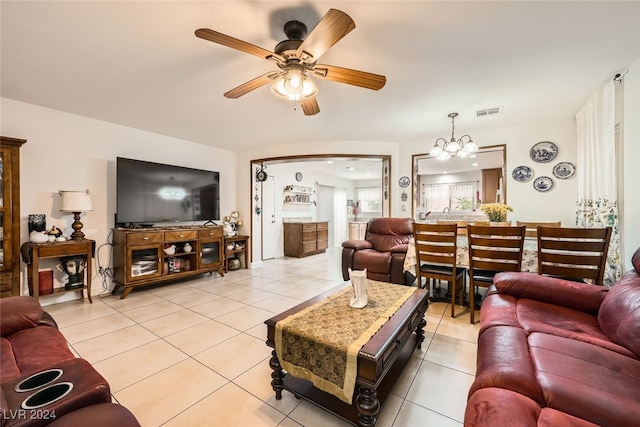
(543, 152)
(298, 176)
(404, 181)
(543, 184)
(522, 173)
(564, 170)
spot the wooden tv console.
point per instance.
(139, 256)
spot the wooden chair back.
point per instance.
(492, 250)
(436, 247)
(462, 225)
(573, 253)
(532, 227)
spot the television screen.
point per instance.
(149, 193)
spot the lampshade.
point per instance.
(75, 201)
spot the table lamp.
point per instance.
(76, 202)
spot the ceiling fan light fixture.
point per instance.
(294, 85)
(293, 80)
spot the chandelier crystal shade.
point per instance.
(461, 147)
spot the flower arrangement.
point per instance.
(496, 212)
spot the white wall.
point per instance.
(528, 204)
(630, 212)
(70, 152)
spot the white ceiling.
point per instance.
(139, 64)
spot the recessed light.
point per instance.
(474, 164)
(330, 162)
(349, 168)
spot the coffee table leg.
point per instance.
(368, 406)
(276, 375)
(420, 332)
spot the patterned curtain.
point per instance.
(597, 189)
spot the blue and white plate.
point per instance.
(543, 184)
(543, 152)
(522, 173)
(564, 170)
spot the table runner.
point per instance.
(321, 343)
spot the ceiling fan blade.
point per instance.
(348, 76)
(310, 106)
(333, 26)
(254, 84)
(225, 40)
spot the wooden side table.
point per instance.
(32, 253)
(243, 241)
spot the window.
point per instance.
(370, 199)
(459, 196)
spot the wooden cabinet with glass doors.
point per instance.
(151, 256)
(10, 216)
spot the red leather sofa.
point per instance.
(553, 352)
(381, 252)
(31, 344)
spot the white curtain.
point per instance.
(596, 171)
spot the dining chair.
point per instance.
(436, 246)
(532, 227)
(578, 254)
(462, 225)
(492, 250)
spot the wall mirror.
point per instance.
(456, 188)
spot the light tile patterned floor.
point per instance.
(194, 353)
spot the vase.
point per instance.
(500, 223)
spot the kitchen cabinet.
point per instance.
(357, 230)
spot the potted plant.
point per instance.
(497, 213)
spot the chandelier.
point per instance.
(454, 147)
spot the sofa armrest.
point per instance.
(47, 320)
(357, 244)
(18, 313)
(578, 296)
(400, 249)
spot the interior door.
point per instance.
(269, 218)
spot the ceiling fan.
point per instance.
(297, 59)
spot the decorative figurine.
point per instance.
(359, 283)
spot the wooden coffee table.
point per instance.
(380, 361)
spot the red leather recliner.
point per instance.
(381, 252)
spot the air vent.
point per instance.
(489, 112)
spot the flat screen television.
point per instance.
(149, 193)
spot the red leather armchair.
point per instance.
(381, 252)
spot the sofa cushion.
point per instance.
(619, 314)
(372, 260)
(18, 313)
(385, 233)
(586, 381)
(492, 407)
(34, 349)
(535, 316)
